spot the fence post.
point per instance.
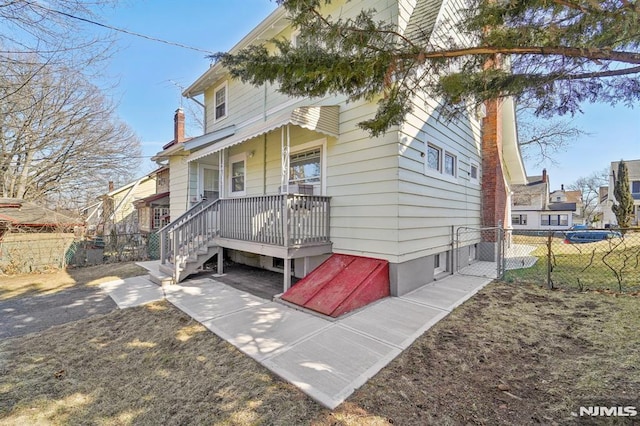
(499, 251)
(549, 239)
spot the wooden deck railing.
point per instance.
(284, 220)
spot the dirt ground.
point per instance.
(57, 280)
(513, 354)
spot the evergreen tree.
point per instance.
(623, 209)
(556, 53)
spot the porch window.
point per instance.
(220, 102)
(160, 217)
(238, 176)
(304, 167)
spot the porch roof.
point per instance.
(321, 119)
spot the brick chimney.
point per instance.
(544, 175)
(178, 126)
(111, 186)
(494, 190)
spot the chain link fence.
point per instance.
(584, 259)
(33, 252)
(114, 248)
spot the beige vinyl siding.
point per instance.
(430, 204)
(405, 9)
(179, 185)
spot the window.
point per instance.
(635, 187)
(440, 263)
(449, 164)
(474, 169)
(237, 177)
(518, 219)
(433, 157)
(160, 217)
(554, 220)
(304, 167)
(220, 102)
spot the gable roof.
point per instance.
(18, 212)
(633, 167)
(423, 20)
(524, 194)
(562, 207)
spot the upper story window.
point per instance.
(635, 187)
(220, 102)
(474, 172)
(433, 157)
(450, 164)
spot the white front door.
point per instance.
(208, 183)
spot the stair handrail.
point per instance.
(168, 228)
(194, 232)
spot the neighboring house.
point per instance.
(633, 166)
(295, 179)
(115, 211)
(153, 211)
(33, 237)
(563, 196)
(532, 208)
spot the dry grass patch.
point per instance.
(54, 281)
(150, 365)
(510, 355)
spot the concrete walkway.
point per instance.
(328, 360)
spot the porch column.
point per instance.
(221, 173)
(285, 143)
(287, 274)
(220, 260)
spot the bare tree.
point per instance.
(589, 187)
(59, 137)
(540, 139)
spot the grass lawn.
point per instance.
(513, 354)
(54, 281)
(611, 264)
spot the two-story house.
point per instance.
(534, 208)
(290, 181)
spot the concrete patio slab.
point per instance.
(331, 364)
(462, 283)
(206, 299)
(131, 292)
(328, 360)
(394, 321)
(262, 331)
(436, 296)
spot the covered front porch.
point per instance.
(259, 190)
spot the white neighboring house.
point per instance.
(633, 166)
(295, 179)
(531, 208)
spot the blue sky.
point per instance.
(149, 76)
